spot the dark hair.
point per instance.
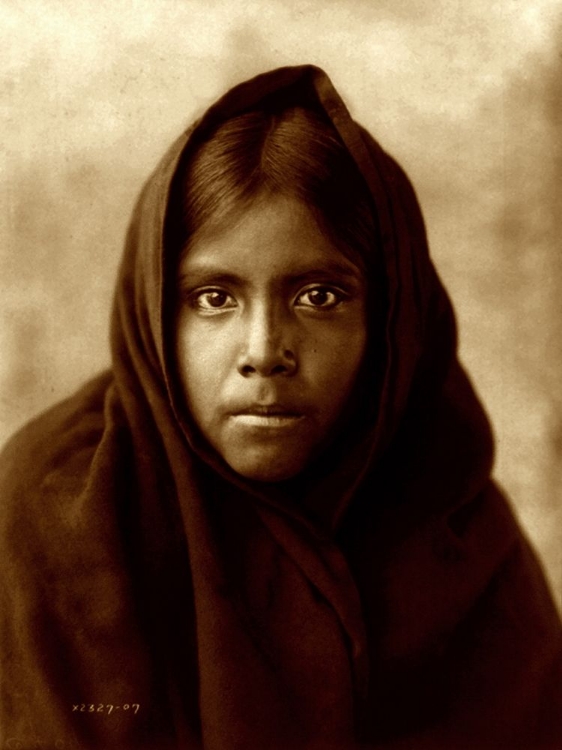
(294, 152)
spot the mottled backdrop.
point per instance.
(466, 93)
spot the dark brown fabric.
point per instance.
(150, 599)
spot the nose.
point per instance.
(266, 349)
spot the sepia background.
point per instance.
(467, 94)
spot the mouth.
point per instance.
(274, 415)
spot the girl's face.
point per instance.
(270, 335)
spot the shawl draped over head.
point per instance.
(151, 599)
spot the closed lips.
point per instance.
(268, 411)
(268, 420)
(267, 416)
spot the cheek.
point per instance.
(203, 358)
(333, 363)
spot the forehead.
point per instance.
(275, 235)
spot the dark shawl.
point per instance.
(395, 604)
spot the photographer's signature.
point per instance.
(102, 708)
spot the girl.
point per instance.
(272, 523)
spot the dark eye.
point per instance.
(320, 297)
(213, 299)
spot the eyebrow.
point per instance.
(203, 274)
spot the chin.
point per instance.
(268, 469)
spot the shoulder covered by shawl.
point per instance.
(467, 642)
(46, 467)
(57, 445)
(67, 618)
